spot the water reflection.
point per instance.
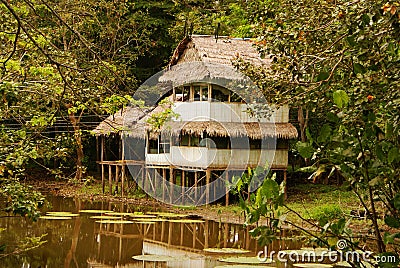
(82, 242)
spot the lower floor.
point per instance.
(181, 186)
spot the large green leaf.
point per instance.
(340, 98)
(392, 222)
(396, 201)
(393, 155)
(305, 149)
(322, 76)
(324, 133)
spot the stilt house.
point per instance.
(190, 158)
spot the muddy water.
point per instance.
(81, 242)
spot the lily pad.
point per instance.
(226, 250)
(145, 222)
(105, 217)
(95, 211)
(158, 258)
(119, 213)
(245, 260)
(312, 265)
(62, 214)
(142, 216)
(114, 221)
(55, 217)
(187, 221)
(148, 219)
(168, 214)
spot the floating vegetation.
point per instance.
(226, 250)
(168, 214)
(142, 216)
(61, 214)
(95, 211)
(187, 221)
(119, 213)
(49, 217)
(145, 222)
(148, 219)
(104, 217)
(158, 258)
(114, 221)
(245, 260)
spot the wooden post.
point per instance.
(146, 178)
(155, 182)
(227, 188)
(123, 164)
(208, 175)
(171, 180)
(101, 161)
(122, 179)
(170, 233)
(194, 234)
(116, 176)
(183, 186)
(206, 231)
(182, 229)
(143, 176)
(164, 175)
(195, 186)
(109, 179)
(285, 180)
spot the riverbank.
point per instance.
(310, 201)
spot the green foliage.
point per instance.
(326, 213)
(21, 199)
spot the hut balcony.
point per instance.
(204, 158)
(226, 112)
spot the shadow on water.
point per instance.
(83, 242)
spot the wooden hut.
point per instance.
(214, 135)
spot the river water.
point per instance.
(83, 242)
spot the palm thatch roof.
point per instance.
(229, 129)
(120, 121)
(204, 58)
(222, 51)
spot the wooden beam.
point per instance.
(183, 173)
(109, 180)
(195, 185)
(227, 188)
(208, 176)
(171, 180)
(285, 181)
(164, 175)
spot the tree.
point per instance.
(339, 60)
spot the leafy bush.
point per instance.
(325, 213)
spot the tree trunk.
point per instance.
(79, 146)
(303, 123)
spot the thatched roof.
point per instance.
(223, 50)
(229, 129)
(204, 58)
(119, 121)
